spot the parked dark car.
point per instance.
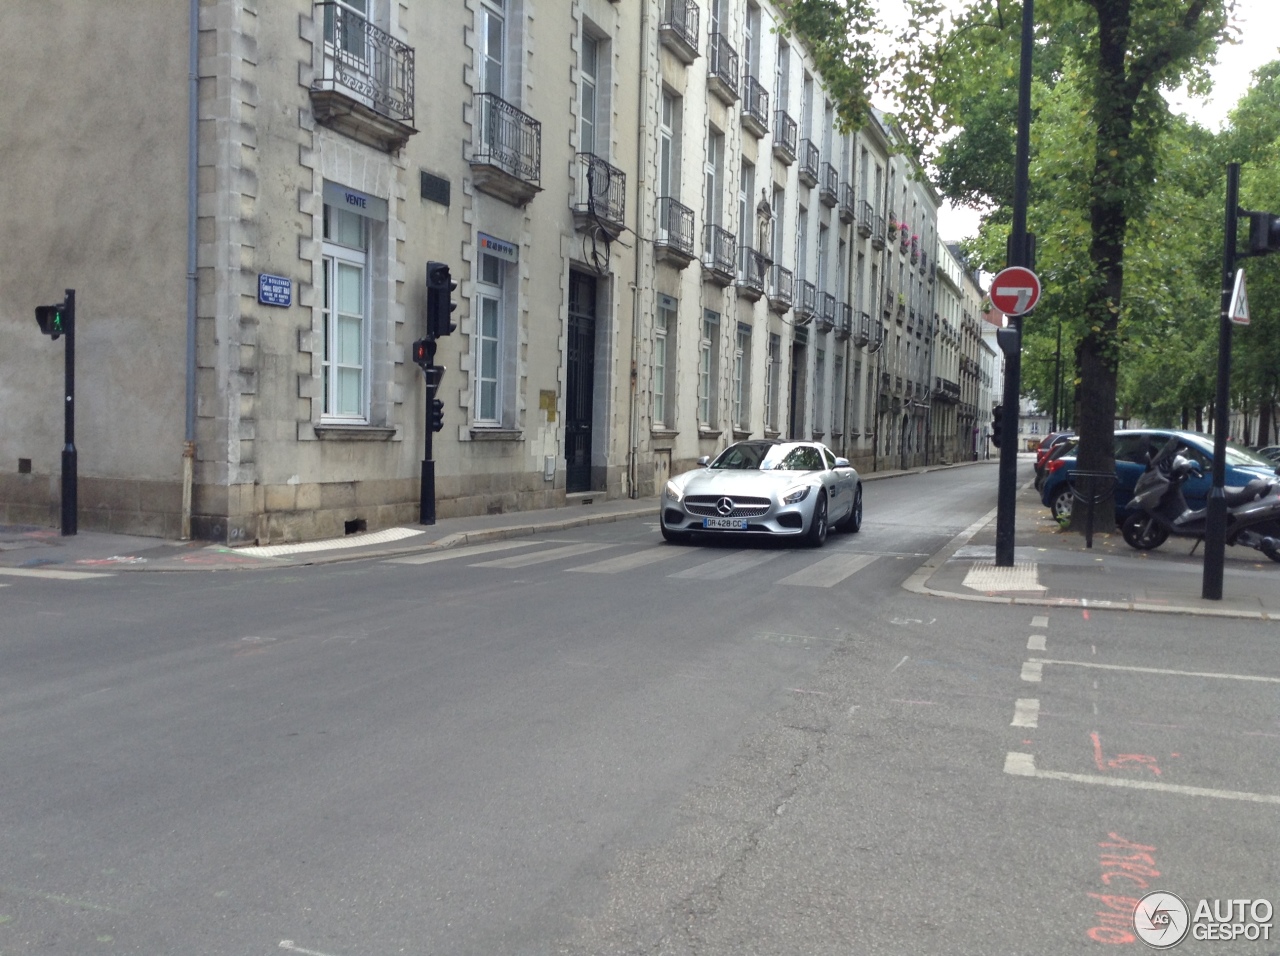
(1134, 448)
(1049, 446)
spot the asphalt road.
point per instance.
(598, 743)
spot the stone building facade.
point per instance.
(661, 242)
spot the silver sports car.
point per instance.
(791, 488)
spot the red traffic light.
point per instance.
(421, 354)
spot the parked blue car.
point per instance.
(1133, 450)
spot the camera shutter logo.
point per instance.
(1161, 920)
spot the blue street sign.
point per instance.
(275, 290)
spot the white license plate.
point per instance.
(725, 524)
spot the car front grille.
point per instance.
(743, 506)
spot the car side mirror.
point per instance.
(704, 461)
(842, 462)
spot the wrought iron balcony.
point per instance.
(924, 262)
(877, 337)
(877, 233)
(946, 390)
(601, 195)
(866, 219)
(784, 137)
(828, 185)
(678, 29)
(810, 159)
(719, 254)
(844, 321)
(781, 283)
(752, 270)
(806, 301)
(675, 232)
(755, 107)
(826, 311)
(846, 203)
(364, 81)
(722, 68)
(506, 156)
(862, 335)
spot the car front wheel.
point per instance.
(853, 520)
(818, 524)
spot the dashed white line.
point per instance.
(288, 944)
(1039, 662)
(1036, 642)
(1040, 620)
(1032, 671)
(53, 574)
(1026, 712)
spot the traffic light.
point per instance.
(51, 319)
(997, 417)
(440, 304)
(437, 415)
(421, 355)
(1264, 233)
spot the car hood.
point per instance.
(705, 481)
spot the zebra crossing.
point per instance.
(824, 569)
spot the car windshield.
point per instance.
(1239, 455)
(767, 456)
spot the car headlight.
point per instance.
(798, 493)
(674, 492)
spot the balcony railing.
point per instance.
(866, 219)
(846, 203)
(678, 29)
(601, 193)
(924, 262)
(828, 184)
(784, 136)
(806, 301)
(862, 335)
(755, 106)
(781, 284)
(752, 270)
(826, 311)
(719, 253)
(844, 321)
(508, 140)
(809, 161)
(369, 70)
(877, 233)
(675, 231)
(722, 68)
(877, 337)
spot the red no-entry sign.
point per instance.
(1015, 291)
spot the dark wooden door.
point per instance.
(580, 381)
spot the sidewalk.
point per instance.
(1053, 568)
(44, 550)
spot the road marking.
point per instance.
(552, 554)
(1040, 620)
(330, 544)
(1155, 670)
(629, 562)
(899, 664)
(729, 565)
(1024, 765)
(1026, 712)
(1032, 671)
(53, 573)
(1035, 642)
(986, 576)
(829, 571)
(288, 944)
(466, 552)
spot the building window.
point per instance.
(746, 207)
(742, 379)
(837, 394)
(492, 47)
(819, 392)
(346, 315)
(772, 376)
(348, 32)
(802, 244)
(490, 322)
(779, 221)
(708, 368)
(587, 100)
(715, 158)
(664, 328)
(669, 147)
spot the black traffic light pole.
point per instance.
(1019, 255)
(70, 490)
(440, 306)
(427, 488)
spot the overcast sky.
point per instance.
(1259, 21)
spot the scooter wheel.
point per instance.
(1143, 532)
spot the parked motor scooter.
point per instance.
(1159, 508)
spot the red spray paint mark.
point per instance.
(1120, 859)
(1121, 761)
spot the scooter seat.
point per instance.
(1256, 488)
